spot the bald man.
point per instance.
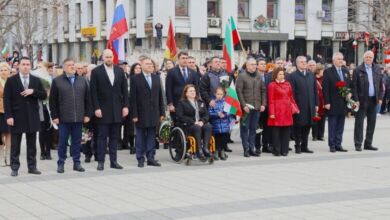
(110, 103)
(368, 91)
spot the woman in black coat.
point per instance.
(193, 117)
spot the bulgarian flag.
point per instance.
(171, 50)
(228, 49)
(235, 34)
(232, 105)
(5, 51)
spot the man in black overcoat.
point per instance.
(147, 111)
(335, 104)
(110, 101)
(21, 94)
(368, 90)
(304, 87)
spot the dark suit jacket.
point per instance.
(110, 99)
(360, 84)
(185, 113)
(174, 84)
(24, 110)
(338, 105)
(147, 104)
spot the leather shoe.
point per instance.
(35, 171)
(254, 153)
(115, 165)
(78, 167)
(87, 160)
(370, 148)
(48, 157)
(42, 157)
(246, 153)
(153, 163)
(227, 149)
(60, 169)
(341, 149)
(141, 164)
(132, 150)
(332, 150)
(358, 148)
(307, 151)
(100, 166)
(14, 173)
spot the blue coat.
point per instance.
(220, 125)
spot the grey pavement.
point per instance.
(352, 185)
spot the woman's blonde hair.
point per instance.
(3, 64)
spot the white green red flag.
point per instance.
(235, 34)
(232, 104)
(228, 49)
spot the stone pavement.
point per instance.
(352, 185)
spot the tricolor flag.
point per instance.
(228, 49)
(232, 104)
(5, 51)
(171, 50)
(235, 34)
(119, 29)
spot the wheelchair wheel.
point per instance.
(177, 145)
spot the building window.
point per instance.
(327, 8)
(243, 9)
(90, 12)
(66, 18)
(44, 20)
(134, 8)
(181, 7)
(272, 9)
(149, 8)
(299, 10)
(212, 8)
(103, 17)
(77, 13)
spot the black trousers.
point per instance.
(318, 128)
(46, 134)
(221, 140)
(201, 134)
(265, 137)
(90, 147)
(108, 134)
(301, 135)
(280, 139)
(16, 139)
(366, 110)
(128, 132)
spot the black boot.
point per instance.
(298, 149)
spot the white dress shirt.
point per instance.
(110, 73)
(22, 79)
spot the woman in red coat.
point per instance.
(282, 106)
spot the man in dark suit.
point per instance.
(147, 111)
(304, 87)
(335, 105)
(21, 94)
(176, 79)
(110, 103)
(368, 90)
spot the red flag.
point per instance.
(171, 50)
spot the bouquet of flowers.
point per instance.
(245, 116)
(316, 118)
(164, 133)
(224, 80)
(344, 91)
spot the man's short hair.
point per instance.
(69, 59)
(214, 57)
(24, 58)
(182, 53)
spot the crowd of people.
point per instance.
(85, 107)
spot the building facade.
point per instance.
(279, 28)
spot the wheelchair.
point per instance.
(182, 147)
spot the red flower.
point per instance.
(316, 118)
(341, 84)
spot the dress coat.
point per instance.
(24, 110)
(185, 113)
(305, 94)
(338, 105)
(146, 104)
(109, 98)
(280, 104)
(175, 83)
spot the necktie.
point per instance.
(340, 74)
(184, 74)
(149, 80)
(25, 82)
(71, 78)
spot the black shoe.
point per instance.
(132, 150)
(321, 139)
(141, 164)
(298, 150)
(276, 154)
(254, 153)
(78, 167)
(370, 148)
(215, 156)
(332, 150)
(227, 149)
(43, 157)
(266, 149)
(14, 173)
(60, 169)
(35, 171)
(341, 149)
(314, 139)
(48, 157)
(115, 165)
(222, 155)
(307, 151)
(153, 163)
(206, 152)
(87, 159)
(289, 149)
(284, 154)
(246, 153)
(166, 146)
(258, 151)
(358, 148)
(125, 146)
(100, 166)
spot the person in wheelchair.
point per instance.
(193, 117)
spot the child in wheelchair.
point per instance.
(220, 121)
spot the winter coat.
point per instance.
(220, 125)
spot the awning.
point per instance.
(264, 36)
